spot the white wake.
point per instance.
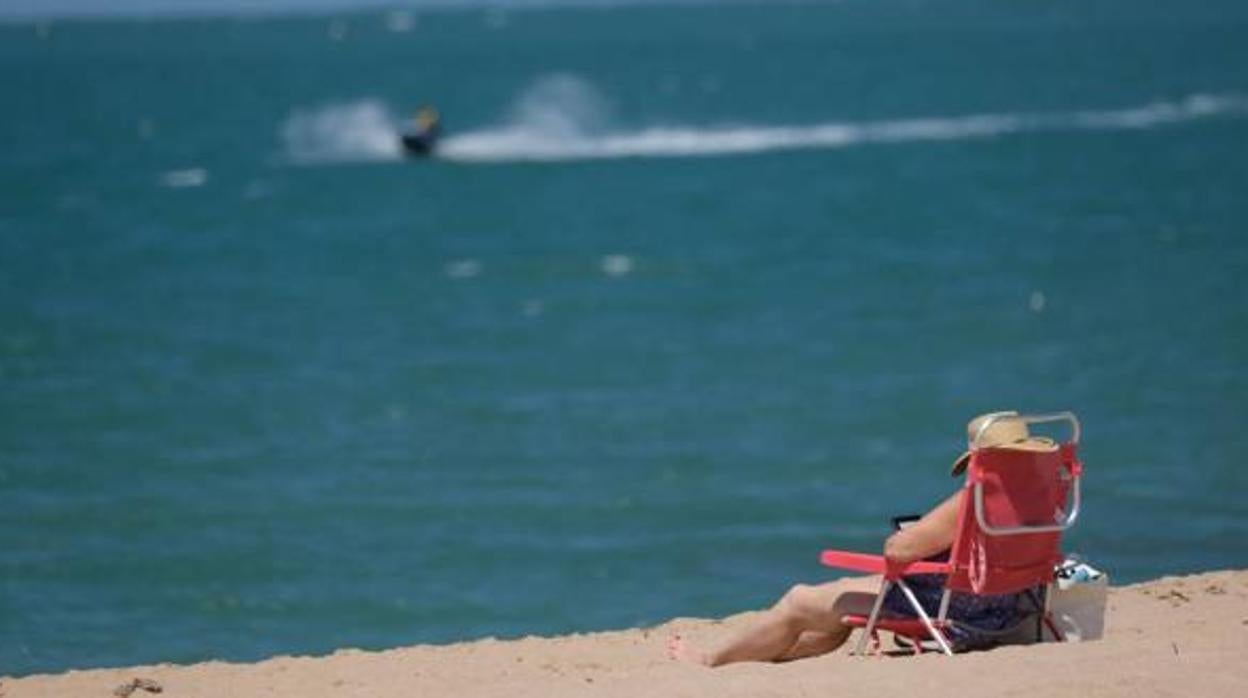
(561, 117)
(553, 130)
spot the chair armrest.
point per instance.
(858, 562)
(878, 564)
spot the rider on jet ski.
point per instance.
(426, 126)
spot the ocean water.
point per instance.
(690, 294)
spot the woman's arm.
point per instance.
(929, 535)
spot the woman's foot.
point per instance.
(680, 650)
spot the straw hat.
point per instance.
(1006, 430)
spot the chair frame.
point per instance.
(893, 572)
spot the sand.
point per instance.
(1176, 636)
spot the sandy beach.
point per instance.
(1168, 637)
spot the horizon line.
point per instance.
(241, 9)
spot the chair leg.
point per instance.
(1048, 615)
(927, 621)
(1057, 634)
(875, 616)
(1037, 607)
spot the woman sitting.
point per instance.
(808, 620)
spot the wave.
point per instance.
(184, 179)
(562, 118)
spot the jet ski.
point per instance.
(421, 139)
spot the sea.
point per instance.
(687, 294)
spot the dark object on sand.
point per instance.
(124, 690)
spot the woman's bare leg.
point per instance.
(813, 643)
(805, 622)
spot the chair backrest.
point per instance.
(1014, 507)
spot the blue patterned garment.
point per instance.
(971, 613)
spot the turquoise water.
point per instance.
(692, 294)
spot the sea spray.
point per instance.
(554, 118)
(359, 131)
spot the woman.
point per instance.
(807, 621)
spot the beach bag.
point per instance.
(1079, 600)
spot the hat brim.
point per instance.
(1039, 444)
(959, 465)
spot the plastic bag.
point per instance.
(1079, 599)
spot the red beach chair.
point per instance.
(1014, 506)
